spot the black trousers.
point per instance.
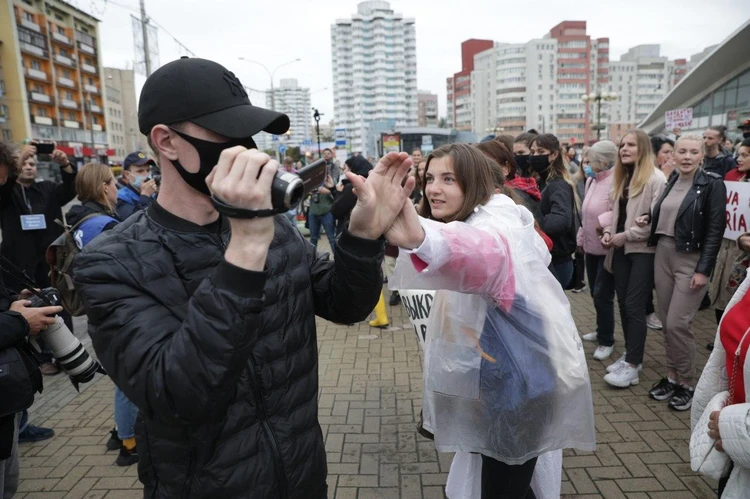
(634, 280)
(505, 481)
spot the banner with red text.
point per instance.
(738, 209)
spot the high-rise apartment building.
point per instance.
(122, 83)
(459, 87)
(374, 70)
(539, 84)
(294, 101)
(640, 79)
(427, 109)
(51, 75)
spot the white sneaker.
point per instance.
(603, 352)
(624, 377)
(653, 322)
(589, 336)
(616, 365)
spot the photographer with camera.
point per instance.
(138, 188)
(202, 307)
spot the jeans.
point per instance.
(563, 272)
(23, 422)
(634, 280)
(125, 415)
(505, 481)
(580, 271)
(603, 292)
(328, 224)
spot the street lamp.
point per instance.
(598, 97)
(270, 75)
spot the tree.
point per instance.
(443, 123)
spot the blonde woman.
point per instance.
(687, 226)
(636, 185)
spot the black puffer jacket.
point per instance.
(701, 219)
(222, 362)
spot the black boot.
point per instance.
(395, 299)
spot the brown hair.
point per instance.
(89, 181)
(644, 167)
(474, 175)
(9, 157)
(506, 140)
(499, 152)
(526, 138)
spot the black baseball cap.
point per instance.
(138, 159)
(207, 94)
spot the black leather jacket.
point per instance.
(700, 221)
(222, 362)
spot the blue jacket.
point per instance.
(93, 226)
(129, 201)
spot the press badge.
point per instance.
(33, 222)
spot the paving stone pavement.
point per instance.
(369, 403)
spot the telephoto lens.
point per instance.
(69, 353)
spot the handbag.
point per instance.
(704, 457)
(20, 379)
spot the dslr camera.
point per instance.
(66, 348)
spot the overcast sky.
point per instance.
(274, 32)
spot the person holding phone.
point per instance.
(139, 187)
(28, 210)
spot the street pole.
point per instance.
(316, 116)
(599, 118)
(144, 34)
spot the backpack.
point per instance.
(59, 256)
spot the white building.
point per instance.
(121, 109)
(374, 70)
(641, 79)
(513, 88)
(294, 101)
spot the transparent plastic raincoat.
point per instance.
(505, 373)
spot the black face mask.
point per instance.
(209, 153)
(522, 161)
(746, 134)
(539, 163)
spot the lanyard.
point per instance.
(26, 200)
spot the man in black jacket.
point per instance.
(206, 322)
(717, 160)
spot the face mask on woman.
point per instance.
(539, 163)
(589, 171)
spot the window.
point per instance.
(69, 95)
(7, 135)
(41, 111)
(71, 115)
(35, 65)
(28, 16)
(66, 73)
(2, 88)
(61, 30)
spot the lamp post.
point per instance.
(316, 116)
(598, 97)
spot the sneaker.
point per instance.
(589, 336)
(395, 299)
(603, 352)
(663, 390)
(127, 457)
(624, 377)
(710, 347)
(114, 441)
(653, 322)
(619, 363)
(35, 434)
(49, 368)
(682, 398)
(579, 290)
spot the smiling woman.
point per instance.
(687, 229)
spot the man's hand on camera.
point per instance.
(243, 178)
(380, 197)
(149, 188)
(39, 319)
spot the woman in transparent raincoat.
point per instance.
(505, 372)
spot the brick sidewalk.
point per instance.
(370, 396)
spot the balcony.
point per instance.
(33, 49)
(66, 82)
(96, 109)
(65, 60)
(88, 68)
(31, 25)
(59, 37)
(43, 120)
(68, 104)
(85, 47)
(91, 89)
(97, 128)
(40, 97)
(36, 74)
(71, 124)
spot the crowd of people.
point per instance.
(201, 299)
